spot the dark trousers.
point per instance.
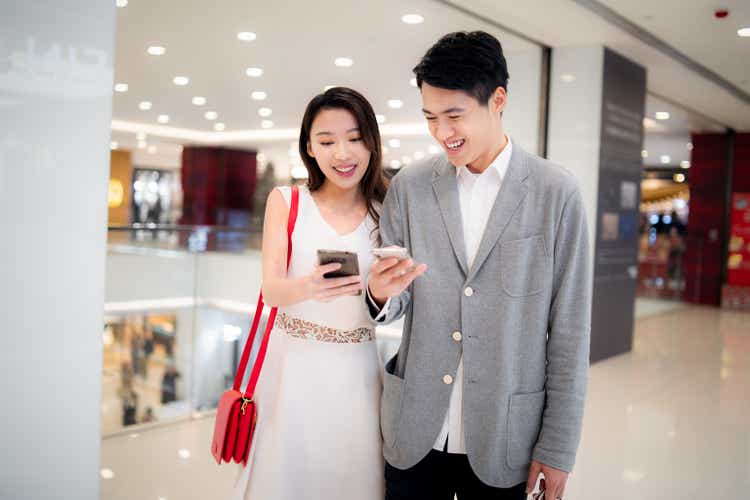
(440, 476)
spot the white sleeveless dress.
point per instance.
(318, 396)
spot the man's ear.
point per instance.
(498, 100)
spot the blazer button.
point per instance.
(468, 291)
(457, 336)
(447, 379)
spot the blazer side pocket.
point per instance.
(390, 403)
(523, 266)
(524, 423)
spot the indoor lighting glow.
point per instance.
(685, 164)
(121, 3)
(232, 333)
(412, 19)
(679, 177)
(395, 103)
(141, 144)
(433, 150)
(211, 115)
(665, 159)
(265, 112)
(254, 72)
(567, 78)
(152, 150)
(157, 50)
(113, 145)
(144, 105)
(413, 82)
(247, 36)
(649, 123)
(141, 136)
(199, 101)
(121, 87)
(181, 80)
(406, 160)
(644, 154)
(394, 143)
(744, 32)
(299, 172)
(219, 127)
(183, 453)
(380, 118)
(266, 124)
(163, 119)
(107, 473)
(689, 146)
(343, 62)
(395, 164)
(418, 155)
(662, 115)
(258, 95)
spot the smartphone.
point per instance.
(349, 263)
(400, 253)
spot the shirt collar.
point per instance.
(499, 164)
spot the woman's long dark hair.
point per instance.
(374, 184)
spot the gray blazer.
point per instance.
(523, 310)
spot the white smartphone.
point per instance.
(400, 253)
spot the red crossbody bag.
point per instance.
(236, 415)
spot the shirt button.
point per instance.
(469, 291)
(457, 336)
(447, 379)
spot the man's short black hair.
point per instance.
(469, 61)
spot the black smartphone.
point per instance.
(349, 263)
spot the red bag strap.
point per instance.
(293, 209)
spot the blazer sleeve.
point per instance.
(392, 232)
(568, 339)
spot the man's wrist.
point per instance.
(380, 302)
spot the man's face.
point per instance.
(464, 127)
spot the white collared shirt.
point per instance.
(476, 194)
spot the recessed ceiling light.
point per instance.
(644, 154)
(395, 164)
(162, 118)
(343, 62)
(107, 473)
(218, 126)
(121, 87)
(662, 115)
(141, 144)
(679, 177)
(413, 82)
(141, 136)
(152, 149)
(412, 19)
(211, 115)
(432, 149)
(685, 164)
(144, 105)
(265, 112)
(199, 101)
(394, 143)
(744, 32)
(395, 103)
(157, 50)
(247, 36)
(689, 146)
(181, 80)
(665, 159)
(121, 3)
(258, 95)
(254, 72)
(184, 453)
(266, 124)
(418, 155)
(113, 145)
(567, 78)
(380, 118)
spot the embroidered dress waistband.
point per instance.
(302, 329)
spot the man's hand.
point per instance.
(389, 277)
(553, 482)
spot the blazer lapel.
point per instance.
(512, 192)
(446, 189)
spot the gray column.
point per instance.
(55, 110)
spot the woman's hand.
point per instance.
(326, 289)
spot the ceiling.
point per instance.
(297, 43)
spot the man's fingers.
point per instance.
(398, 270)
(406, 279)
(534, 471)
(381, 265)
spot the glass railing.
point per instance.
(179, 303)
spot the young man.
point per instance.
(487, 389)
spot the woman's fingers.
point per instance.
(321, 270)
(332, 283)
(342, 290)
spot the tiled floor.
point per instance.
(669, 420)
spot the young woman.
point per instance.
(318, 434)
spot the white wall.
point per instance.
(55, 112)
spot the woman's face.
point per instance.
(337, 145)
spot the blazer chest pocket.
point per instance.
(524, 266)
